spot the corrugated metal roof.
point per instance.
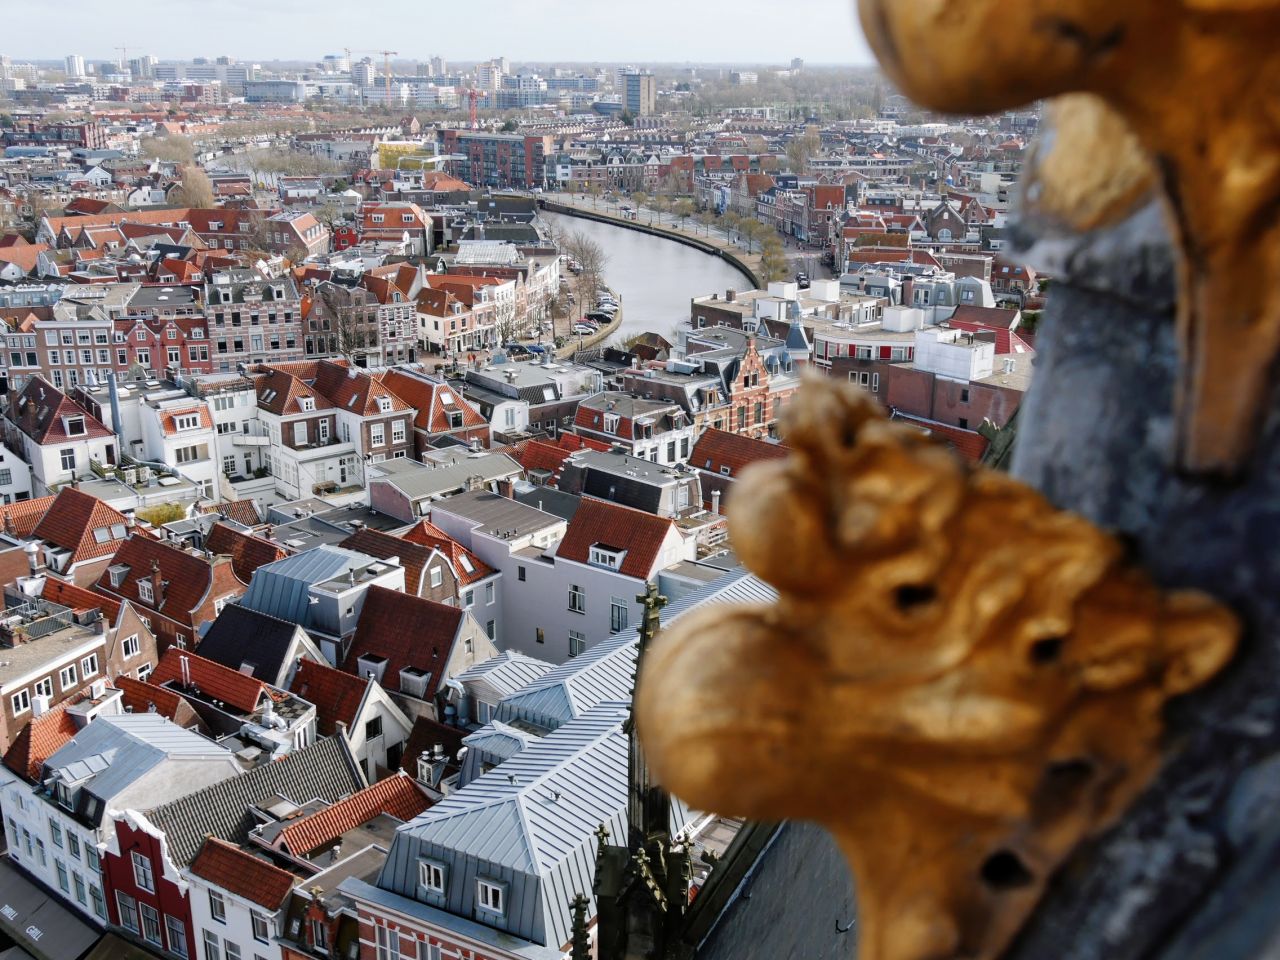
(607, 670)
(506, 673)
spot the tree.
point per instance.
(802, 149)
(510, 126)
(171, 149)
(628, 118)
(347, 334)
(162, 513)
(592, 261)
(773, 261)
(195, 190)
(683, 209)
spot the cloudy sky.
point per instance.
(668, 31)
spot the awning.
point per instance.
(38, 922)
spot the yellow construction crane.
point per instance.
(386, 65)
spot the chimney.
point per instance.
(129, 519)
(730, 296)
(157, 584)
(1009, 364)
(715, 502)
(9, 528)
(340, 728)
(32, 550)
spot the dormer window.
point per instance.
(431, 876)
(186, 421)
(604, 556)
(611, 423)
(116, 573)
(376, 217)
(384, 404)
(144, 591)
(74, 426)
(308, 404)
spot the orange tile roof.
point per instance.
(82, 524)
(427, 395)
(41, 738)
(968, 443)
(212, 679)
(169, 418)
(241, 873)
(22, 517)
(241, 511)
(640, 534)
(39, 412)
(337, 695)
(187, 577)
(397, 796)
(429, 535)
(139, 696)
(78, 598)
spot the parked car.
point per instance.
(802, 279)
(584, 329)
(599, 317)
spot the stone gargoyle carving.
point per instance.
(1198, 83)
(958, 680)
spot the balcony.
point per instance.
(249, 440)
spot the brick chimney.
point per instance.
(157, 583)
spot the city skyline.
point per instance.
(668, 33)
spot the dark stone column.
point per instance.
(1192, 870)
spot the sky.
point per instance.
(580, 31)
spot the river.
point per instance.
(654, 278)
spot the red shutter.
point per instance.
(886, 353)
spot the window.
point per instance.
(212, 951)
(468, 599)
(319, 935)
(73, 845)
(63, 884)
(176, 932)
(43, 687)
(67, 458)
(605, 557)
(324, 430)
(186, 421)
(130, 646)
(489, 594)
(40, 852)
(144, 591)
(217, 907)
(373, 728)
(577, 642)
(491, 629)
(128, 908)
(428, 951)
(431, 876)
(577, 599)
(67, 677)
(89, 666)
(964, 395)
(21, 702)
(100, 905)
(91, 857)
(300, 433)
(540, 635)
(963, 423)
(150, 923)
(489, 896)
(232, 950)
(398, 432)
(377, 434)
(520, 574)
(142, 875)
(436, 577)
(77, 882)
(261, 932)
(55, 833)
(617, 614)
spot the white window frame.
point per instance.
(260, 922)
(68, 677)
(577, 643)
(577, 599)
(127, 907)
(89, 666)
(217, 906)
(491, 897)
(431, 876)
(143, 876)
(175, 932)
(377, 435)
(619, 614)
(145, 593)
(130, 642)
(21, 702)
(155, 919)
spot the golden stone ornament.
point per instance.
(1198, 84)
(958, 680)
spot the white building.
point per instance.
(178, 430)
(15, 477)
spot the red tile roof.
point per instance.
(169, 418)
(187, 576)
(429, 395)
(139, 696)
(384, 546)
(409, 632)
(968, 443)
(615, 527)
(337, 695)
(247, 552)
(242, 874)
(40, 410)
(241, 511)
(717, 449)
(83, 525)
(41, 738)
(354, 390)
(427, 534)
(398, 796)
(80, 599)
(232, 687)
(536, 455)
(22, 517)
(280, 392)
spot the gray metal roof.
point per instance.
(437, 479)
(282, 589)
(506, 673)
(495, 514)
(325, 771)
(606, 671)
(114, 751)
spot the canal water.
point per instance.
(655, 277)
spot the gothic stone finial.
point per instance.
(975, 678)
(1219, 164)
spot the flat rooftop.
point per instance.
(497, 515)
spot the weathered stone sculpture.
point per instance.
(958, 680)
(1198, 83)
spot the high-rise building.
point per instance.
(639, 94)
(75, 66)
(438, 67)
(363, 73)
(336, 63)
(797, 64)
(488, 76)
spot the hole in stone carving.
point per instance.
(1004, 870)
(1062, 788)
(849, 435)
(914, 596)
(1047, 651)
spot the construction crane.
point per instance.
(386, 65)
(124, 57)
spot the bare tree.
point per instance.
(683, 209)
(174, 149)
(591, 260)
(342, 322)
(195, 190)
(801, 150)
